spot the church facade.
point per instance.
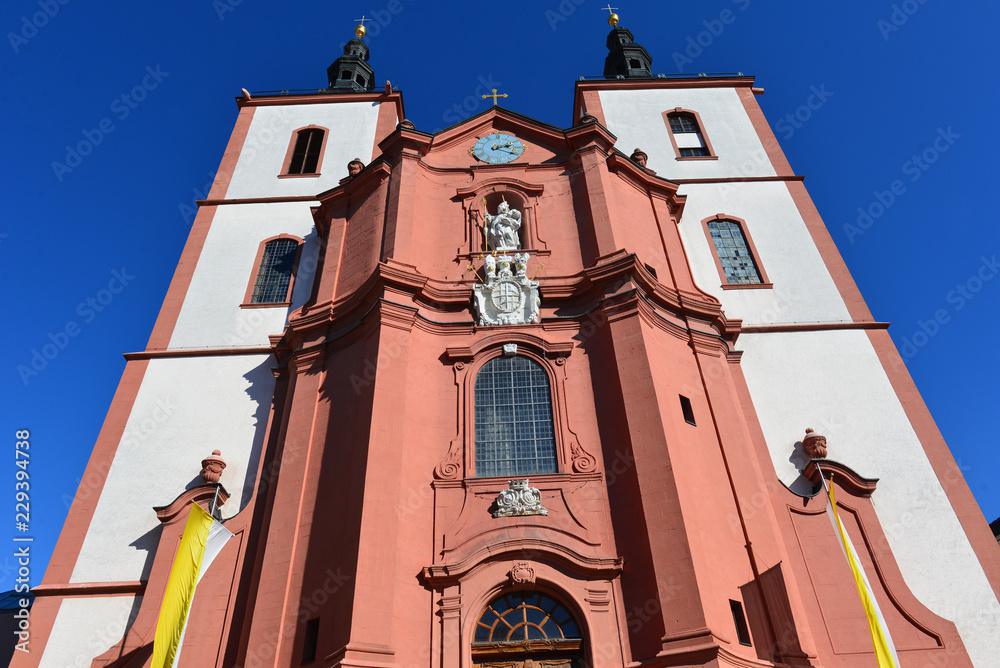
(510, 395)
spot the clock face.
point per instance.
(498, 148)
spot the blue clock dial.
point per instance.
(498, 148)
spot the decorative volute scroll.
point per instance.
(582, 461)
(450, 468)
(519, 500)
(508, 296)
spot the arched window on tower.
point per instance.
(305, 153)
(527, 626)
(687, 135)
(734, 254)
(513, 419)
(272, 280)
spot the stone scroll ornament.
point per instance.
(518, 500)
(507, 296)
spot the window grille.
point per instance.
(275, 272)
(513, 413)
(734, 254)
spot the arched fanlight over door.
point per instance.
(527, 629)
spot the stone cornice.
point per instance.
(646, 180)
(441, 575)
(202, 494)
(617, 284)
(359, 186)
(842, 475)
(466, 353)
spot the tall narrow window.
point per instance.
(273, 283)
(310, 640)
(736, 260)
(740, 620)
(306, 152)
(688, 136)
(514, 432)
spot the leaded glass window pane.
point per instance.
(514, 618)
(734, 253)
(696, 152)
(275, 272)
(514, 433)
(680, 123)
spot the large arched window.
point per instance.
(272, 280)
(735, 255)
(688, 136)
(524, 626)
(305, 153)
(513, 417)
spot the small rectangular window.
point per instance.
(742, 631)
(687, 410)
(310, 640)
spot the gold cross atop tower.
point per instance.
(612, 17)
(495, 95)
(360, 30)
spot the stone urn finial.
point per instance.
(212, 467)
(814, 444)
(639, 157)
(355, 166)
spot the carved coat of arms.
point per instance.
(519, 499)
(508, 296)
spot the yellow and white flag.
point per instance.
(203, 539)
(885, 651)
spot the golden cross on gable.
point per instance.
(495, 95)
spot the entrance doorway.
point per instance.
(527, 630)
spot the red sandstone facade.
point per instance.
(368, 539)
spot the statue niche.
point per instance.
(503, 227)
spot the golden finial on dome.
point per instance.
(360, 30)
(612, 17)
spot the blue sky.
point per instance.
(887, 108)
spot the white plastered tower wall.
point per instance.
(830, 380)
(188, 405)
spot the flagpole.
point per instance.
(215, 500)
